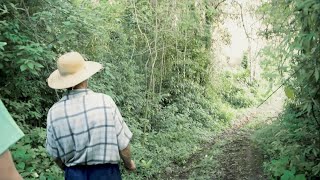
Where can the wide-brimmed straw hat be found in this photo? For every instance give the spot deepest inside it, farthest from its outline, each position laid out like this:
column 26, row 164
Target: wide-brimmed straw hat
column 72, row 70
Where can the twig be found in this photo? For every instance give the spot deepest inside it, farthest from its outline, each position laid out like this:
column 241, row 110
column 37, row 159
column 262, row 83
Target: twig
column 242, row 20
column 152, row 79
column 146, row 65
column 281, row 85
column 137, row 19
column 217, row 5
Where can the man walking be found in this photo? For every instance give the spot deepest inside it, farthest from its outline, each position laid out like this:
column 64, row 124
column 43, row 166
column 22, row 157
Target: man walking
column 86, row 134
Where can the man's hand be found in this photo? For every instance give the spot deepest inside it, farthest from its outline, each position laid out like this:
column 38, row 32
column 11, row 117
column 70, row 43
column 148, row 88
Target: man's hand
column 59, row 162
column 131, row 166
column 125, row 155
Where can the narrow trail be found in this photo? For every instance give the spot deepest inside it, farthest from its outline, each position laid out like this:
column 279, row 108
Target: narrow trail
column 240, row 158
column 232, row 155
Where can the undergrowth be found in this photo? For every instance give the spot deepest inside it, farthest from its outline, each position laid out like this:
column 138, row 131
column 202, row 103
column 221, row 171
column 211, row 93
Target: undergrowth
column 157, row 69
column 291, row 145
column 178, row 130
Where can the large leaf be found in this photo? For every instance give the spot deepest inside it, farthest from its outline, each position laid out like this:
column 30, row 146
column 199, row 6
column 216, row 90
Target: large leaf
column 300, row 177
column 2, row 44
column 23, row 67
column 289, row 92
column 287, row 175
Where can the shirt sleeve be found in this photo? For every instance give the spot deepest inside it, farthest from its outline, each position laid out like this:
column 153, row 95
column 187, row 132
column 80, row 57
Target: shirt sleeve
column 50, row 142
column 124, row 134
column 9, row 130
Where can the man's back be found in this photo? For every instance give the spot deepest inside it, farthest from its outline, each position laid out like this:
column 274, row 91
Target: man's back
column 86, row 134
column 86, row 128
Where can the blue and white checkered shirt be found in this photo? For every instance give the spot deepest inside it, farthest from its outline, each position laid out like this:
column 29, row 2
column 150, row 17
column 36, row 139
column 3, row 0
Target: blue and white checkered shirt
column 86, row 128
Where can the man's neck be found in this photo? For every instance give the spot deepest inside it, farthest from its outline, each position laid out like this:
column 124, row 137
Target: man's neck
column 81, row 87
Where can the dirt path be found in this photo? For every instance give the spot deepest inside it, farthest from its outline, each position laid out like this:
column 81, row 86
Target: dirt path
column 232, row 155
column 240, row 158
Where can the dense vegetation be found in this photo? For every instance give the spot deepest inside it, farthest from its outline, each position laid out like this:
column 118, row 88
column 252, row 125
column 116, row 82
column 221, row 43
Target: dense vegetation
column 159, row 67
column 293, row 143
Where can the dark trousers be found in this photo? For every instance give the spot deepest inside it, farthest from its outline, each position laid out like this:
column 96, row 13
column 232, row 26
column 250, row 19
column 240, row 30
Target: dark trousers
column 93, row 172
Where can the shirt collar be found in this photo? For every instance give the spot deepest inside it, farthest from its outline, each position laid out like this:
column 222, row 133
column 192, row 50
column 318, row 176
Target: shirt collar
column 75, row 93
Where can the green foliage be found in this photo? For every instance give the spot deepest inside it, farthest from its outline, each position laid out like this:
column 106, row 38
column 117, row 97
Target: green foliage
column 236, row 89
column 289, row 92
column 21, row 65
column 157, row 60
column 292, row 26
column 294, row 149
column 31, row 158
column 245, row 61
column 297, row 54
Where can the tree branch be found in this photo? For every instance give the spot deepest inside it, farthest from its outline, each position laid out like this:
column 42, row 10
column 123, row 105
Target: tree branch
column 217, row 5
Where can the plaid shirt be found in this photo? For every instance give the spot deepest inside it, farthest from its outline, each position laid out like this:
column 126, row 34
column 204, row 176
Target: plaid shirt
column 86, row 128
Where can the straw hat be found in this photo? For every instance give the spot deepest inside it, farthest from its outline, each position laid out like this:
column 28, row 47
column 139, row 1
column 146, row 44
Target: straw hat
column 72, row 70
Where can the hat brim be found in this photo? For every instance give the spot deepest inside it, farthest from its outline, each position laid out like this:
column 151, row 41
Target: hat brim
column 56, row 81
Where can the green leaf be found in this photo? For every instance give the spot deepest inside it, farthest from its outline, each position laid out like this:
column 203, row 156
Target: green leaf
column 66, row 23
column 23, row 67
column 2, row 44
column 300, row 177
column 49, row 29
column 30, row 65
column 316, row 169
column 21, row 165
column 42, row 177
column 35, row 175
column 316, row 74
column 287, row 175
column 25, row 174
column 34, row 72
column 289, row 92
column 38, row 65
column 148, row 165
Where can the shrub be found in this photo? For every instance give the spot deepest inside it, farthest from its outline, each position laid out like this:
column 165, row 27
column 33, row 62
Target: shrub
column 291, row 145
